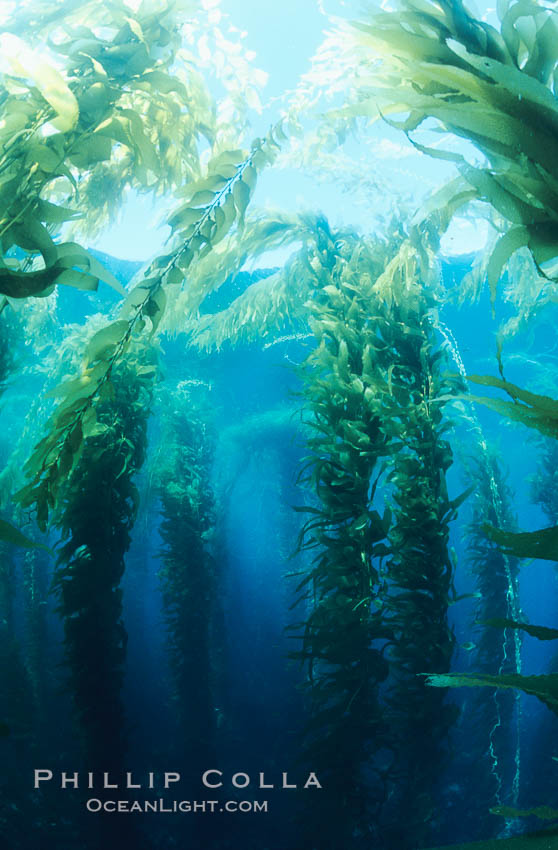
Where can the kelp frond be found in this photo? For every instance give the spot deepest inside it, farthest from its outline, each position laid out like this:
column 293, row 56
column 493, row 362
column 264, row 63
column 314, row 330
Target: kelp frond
column 264, row 231
column 493, row 88
column 264, row 307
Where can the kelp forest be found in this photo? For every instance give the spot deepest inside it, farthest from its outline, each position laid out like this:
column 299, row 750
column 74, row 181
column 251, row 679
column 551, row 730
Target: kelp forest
column 278, row 455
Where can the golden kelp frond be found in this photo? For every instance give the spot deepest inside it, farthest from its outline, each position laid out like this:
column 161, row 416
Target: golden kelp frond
column 494, row 89
column 262, row 232
column 542, row 544
column 83, row 122
column 528, row 292
column 282, row 300
column 410, row 268
column 540, row 632
column 197, row 227
column 265, row 308
column 535, row 411
column 545, row 688
column 114, row 103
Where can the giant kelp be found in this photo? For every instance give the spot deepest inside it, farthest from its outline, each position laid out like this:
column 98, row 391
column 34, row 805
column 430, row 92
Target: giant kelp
column 119, row 113
column 369, row 388
column 189, row 575
column 495, row 88
column 99, row 504
column 372, row 400
column 208, row 208
column 419, row 570
column 343, row 634
column 213, row 205
column 493, row 755
column 375, row 597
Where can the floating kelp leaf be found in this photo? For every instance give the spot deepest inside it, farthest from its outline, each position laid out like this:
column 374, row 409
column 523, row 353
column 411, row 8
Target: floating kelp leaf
column 71, row 254
column 543, row 242
column 184, row 216
column 24, row 62
column 541, row 544
column 229, row 158
column 507, row 203
column 202, row 198
column 95, row 100
column 92, row 150
column 44, row 156
column 155, row 307
column 535, row 411
column 250, row 177
column 174, row 276
column 541, row 812
column 163, row 83
column 510, row 242
column 211, row 184
column 9, row 534
column 77, row 386
column 135, row 298
column 540, row 632
column 105, row 340
column 32, row 235
column 541, row 402
column 139, row 140
column 78, row 280
column 27, row 284
column 54, row 214
column 462, row 596
column 456, row 503
column 545, row 688
column 241, row 195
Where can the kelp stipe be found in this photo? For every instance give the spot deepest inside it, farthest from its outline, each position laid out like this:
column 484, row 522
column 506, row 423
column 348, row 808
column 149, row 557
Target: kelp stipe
column 373, row 393
column 544, row 492
column 494, row 755
column 97, row 514
column 419, row 571
column 36, row 578
column 344, row 667
column 188, row 576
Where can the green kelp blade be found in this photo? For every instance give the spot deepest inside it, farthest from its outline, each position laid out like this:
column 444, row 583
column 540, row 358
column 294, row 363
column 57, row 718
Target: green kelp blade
column 542, row 544
column 541, row 812
column 538, row 841
column 542, row 403
column 544, row 687
column 540, row 632
column 9, row 534
column 533, row 410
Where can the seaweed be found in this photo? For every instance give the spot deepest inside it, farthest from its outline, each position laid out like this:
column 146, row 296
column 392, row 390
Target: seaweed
column 339, row 649
column 493, row 88
column 189, row 575
column 493, row 755
column 98, row 509
column 75, row 419
column 368, row 388
column 419, row 573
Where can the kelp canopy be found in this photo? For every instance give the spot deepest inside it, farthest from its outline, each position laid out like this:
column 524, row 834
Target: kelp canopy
column 151, row 444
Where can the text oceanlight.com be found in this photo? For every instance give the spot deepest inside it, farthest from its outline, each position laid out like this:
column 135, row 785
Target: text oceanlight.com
column 176, row 806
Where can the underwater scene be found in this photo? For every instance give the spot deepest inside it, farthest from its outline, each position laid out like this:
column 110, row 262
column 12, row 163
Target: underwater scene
column 279, row 425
